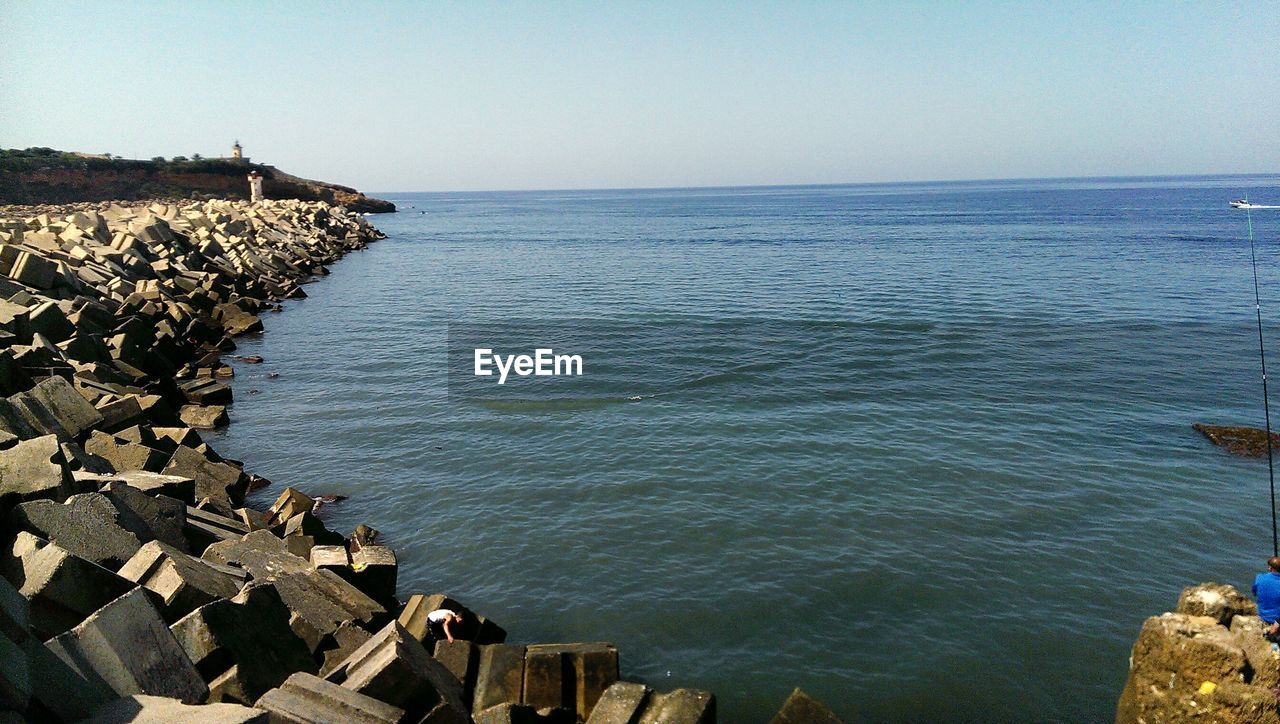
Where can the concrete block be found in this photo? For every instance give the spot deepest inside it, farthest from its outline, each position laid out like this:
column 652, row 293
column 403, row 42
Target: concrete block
column 63, row 588
column 320, row 598
column 372, row 569
column 307, row 699
column 48, row 319
column 462, row 659
column 127, row 646
column 15, row 669
column 586, row 671
column 181, row 583
column 120, row 414
column 393, row 667
column 206, row 392
column 250, row 632
column 32, row 470
column 681, row 706
column 291, row 502
column 620, row 704
column 33, row 270
column 224, row 485
column 143, row 709
column 204, row 417
column 124, row 456
column 205, row 528
column 150, row 517
column 86, row 525
column 345, row 639
column 171, row 486
column 522, row 714
column 308, row 525
column 499, row 676
column 800, row 708
column 54, row 407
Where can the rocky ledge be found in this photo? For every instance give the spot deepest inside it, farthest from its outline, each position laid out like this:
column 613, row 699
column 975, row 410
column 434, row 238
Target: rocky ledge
column 135, row 582
column 1206, row 661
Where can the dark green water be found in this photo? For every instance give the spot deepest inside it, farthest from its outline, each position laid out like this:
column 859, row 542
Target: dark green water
column 923, row 450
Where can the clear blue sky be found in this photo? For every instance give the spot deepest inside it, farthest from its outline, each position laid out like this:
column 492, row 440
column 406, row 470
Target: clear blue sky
column 453, row 96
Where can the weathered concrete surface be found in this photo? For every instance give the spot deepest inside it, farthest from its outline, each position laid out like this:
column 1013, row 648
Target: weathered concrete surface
column 143, row 709
column 128, row 647
column 569, row 676
column 681, row 706
column 34, row 469
column 86, row 525
column 800, row 708
column 181, row 583
column 499, row 676
column 307, row 699
column 204, row 417
column 1177, row 654
column 149, row 517
column 1219, row 601
column 393, row 667
column 249, row 632
column 63, row 589
column 620, row 704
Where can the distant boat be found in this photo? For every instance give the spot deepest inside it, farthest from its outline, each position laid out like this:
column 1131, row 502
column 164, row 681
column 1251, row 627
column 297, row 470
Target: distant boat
column 1244, row 204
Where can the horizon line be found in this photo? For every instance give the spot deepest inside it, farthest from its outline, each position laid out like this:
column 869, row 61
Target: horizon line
column 567, row 189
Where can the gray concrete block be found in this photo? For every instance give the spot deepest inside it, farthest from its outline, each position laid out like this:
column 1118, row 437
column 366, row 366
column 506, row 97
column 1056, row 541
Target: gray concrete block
column 347, row 638
column 54, row 407
column 15, row 669
column 204, row 417
column 620, row 704
column 142, row 709
column 150, row 517
column 800, row 708
column 320, row 598
column 181, row 583
column 32, row 470
column 307, row 699
column 462, row 659
column 87, row 525
column 127, row 646
column 393, row 667
column 224, row 485
column 62, row 588
column 681, row 706
column 250, row 632
column 499, row 676
column 586, row 671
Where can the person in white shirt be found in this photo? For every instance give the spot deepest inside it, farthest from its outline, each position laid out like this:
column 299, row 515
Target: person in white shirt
column 441, row 621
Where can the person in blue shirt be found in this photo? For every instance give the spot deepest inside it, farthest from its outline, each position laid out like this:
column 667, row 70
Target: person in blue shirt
column 1266, row 591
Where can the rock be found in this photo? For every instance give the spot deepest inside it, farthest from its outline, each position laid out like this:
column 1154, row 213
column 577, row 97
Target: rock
column 499, row 676
column 1247, row 631
column 1239, row 440
column 123, row 455
column 148, row 517
column 1216, row 600
column 142, row 709
column 681, row 706
column 621, row 702
column 15, row 670
column 180, row 582
column 156, row 484
column 1175, row 653
column 307, row 699
column 63, row 588
column 86, row 525
column 127, row 646
column 34, row 469
column 249, row 632
column 800, row 708
column 393, row 667
column 208, row 417
column 321, row 599
column 205, row 528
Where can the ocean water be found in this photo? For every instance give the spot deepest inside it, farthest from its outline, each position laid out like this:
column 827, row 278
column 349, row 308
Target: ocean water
column 923, row 450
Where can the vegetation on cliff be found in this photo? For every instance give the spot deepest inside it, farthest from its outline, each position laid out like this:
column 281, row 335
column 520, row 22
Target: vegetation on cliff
column 49, row 176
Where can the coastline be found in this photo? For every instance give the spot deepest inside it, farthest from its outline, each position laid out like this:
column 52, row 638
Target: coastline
column 116, row 325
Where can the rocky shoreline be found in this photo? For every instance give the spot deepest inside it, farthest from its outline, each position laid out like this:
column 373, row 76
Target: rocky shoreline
column 136, row 583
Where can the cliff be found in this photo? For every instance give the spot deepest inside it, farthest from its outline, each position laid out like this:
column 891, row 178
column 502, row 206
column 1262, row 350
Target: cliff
column 46, row 176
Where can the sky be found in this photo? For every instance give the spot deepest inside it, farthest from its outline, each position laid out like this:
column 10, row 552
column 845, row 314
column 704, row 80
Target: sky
column 434, row 96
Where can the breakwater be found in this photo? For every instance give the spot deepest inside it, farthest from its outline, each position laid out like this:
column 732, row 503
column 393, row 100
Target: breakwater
column 135, row 579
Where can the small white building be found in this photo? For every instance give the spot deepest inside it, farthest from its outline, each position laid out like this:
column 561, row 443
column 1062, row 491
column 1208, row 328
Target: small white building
column 255, row 186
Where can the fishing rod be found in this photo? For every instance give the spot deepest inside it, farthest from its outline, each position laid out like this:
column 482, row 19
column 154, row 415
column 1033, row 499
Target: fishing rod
column 1262, row 355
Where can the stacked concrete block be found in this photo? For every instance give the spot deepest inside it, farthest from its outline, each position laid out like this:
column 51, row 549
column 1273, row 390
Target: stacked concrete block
column 499, row 677
column 569, row 676
column 394, row 668
column 629, row 703
column 243, row 646
column 87, row 525
column 179, row 582
column 34, row 469
column 372, row 569
column 474, row 627
column 63, row 588
column 128, row 647
column 307, row 699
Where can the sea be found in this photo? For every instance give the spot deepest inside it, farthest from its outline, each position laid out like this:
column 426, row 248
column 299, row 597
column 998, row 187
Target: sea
column 923, row 450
